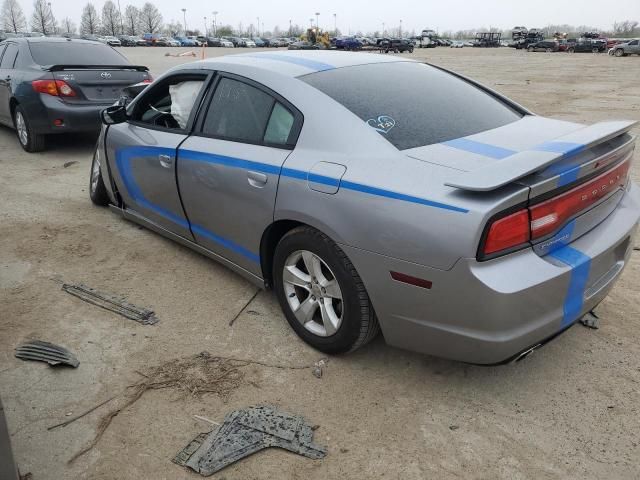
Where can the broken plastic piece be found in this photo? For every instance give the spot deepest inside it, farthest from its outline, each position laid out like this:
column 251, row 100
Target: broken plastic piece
column 46, row 352
column 245, row 432
column 112, row 303
column 591, row 320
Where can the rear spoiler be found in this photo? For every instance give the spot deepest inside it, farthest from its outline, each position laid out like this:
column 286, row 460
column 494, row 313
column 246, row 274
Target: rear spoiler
column 521, row 164
column 58, row 68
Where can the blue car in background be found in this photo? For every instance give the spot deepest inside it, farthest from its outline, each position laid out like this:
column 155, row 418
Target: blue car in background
column 348, row 43
column 186, row 42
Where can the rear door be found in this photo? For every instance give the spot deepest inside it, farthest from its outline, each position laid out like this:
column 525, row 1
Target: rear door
column 228, row 170
column 634, row 47
column 142, row 151
column 6, row 78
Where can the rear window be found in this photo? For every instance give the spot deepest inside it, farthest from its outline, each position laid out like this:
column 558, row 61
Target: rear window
column 73, row 53
column 413, row 104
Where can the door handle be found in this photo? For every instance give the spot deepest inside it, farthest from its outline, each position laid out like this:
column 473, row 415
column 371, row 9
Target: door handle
column 166, row 161
column 257, row 179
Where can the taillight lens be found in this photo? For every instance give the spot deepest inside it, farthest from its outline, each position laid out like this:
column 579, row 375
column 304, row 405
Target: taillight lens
column 508, row 232
column 53, row 87
column 537, row 221
column 546, row 217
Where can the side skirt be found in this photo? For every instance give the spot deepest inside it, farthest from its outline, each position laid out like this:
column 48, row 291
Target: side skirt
column 139, row 219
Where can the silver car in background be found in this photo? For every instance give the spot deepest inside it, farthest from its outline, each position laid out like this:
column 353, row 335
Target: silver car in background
column 451, row 218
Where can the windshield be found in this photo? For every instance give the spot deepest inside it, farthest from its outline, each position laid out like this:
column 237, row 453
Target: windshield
column 73, row 53
column 412, row 104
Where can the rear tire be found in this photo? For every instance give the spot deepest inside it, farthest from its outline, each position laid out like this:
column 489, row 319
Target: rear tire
column 341, row 317
column 571, row 50
column 29, row 140
column 530, row 49
column 97, row 190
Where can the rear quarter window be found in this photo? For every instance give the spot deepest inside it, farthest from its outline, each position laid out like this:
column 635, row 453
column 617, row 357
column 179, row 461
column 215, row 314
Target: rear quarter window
column 412, row 104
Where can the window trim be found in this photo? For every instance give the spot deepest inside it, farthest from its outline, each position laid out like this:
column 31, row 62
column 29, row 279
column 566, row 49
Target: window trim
column 298, row 117
column 207, row 81
column 4, row 51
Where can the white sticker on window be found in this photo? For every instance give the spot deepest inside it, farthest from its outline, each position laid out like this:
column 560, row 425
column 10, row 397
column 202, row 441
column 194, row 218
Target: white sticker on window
column 383, row 123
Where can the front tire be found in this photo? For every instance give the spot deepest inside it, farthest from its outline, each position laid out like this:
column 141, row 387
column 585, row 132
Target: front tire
column 321, row 294
column 29, row 140
column 97, row 190
column 619, row 52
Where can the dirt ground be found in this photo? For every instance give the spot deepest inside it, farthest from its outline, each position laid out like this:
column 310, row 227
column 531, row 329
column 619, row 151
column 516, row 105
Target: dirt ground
column 571, row 410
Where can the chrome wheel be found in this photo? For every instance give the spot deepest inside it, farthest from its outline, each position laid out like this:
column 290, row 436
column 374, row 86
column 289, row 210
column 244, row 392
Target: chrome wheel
column 313, row 293
column 95, row 175
column 21, row 127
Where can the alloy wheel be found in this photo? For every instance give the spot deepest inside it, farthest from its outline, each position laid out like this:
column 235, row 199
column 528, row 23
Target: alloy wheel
column 21, row 127
column 313, row 293
column 95, row 175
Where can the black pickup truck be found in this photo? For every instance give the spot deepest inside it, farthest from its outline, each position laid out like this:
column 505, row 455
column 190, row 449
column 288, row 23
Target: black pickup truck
column 396, row 45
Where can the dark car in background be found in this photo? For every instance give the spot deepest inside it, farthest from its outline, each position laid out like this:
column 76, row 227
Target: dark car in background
column 544, row 46
column 397, row 45
column 583, row 45
column 348, row 43
column 54, row 85
column 128, row 41
column 301, row 45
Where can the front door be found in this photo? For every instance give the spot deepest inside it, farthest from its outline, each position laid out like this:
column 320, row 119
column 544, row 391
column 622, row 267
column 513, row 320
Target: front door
column 142, row 151
column 228, row 170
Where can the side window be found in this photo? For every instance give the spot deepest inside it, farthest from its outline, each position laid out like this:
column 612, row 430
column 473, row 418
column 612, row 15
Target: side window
column 279, row 126
column 238, row 112
column 9, row 56
column 170, row 103
column 635, row 42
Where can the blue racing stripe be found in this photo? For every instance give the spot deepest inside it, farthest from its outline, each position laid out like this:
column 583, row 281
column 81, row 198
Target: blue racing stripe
column 228, row 244
column 580, row 266
column 228, row 161
column 567, row 149
column 301, row 61
column 480, row 148
column 567, row 174
column 123, row 161
column 358, row 187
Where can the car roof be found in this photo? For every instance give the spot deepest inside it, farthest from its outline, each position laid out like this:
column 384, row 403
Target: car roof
column 50, row 40
column 298, row 63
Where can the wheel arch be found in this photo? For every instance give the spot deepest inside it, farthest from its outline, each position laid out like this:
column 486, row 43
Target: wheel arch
column 278, row 229
column 13, row 103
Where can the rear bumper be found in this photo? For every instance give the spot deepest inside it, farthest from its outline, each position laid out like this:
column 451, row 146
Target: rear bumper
column 489, row 312
column 76, row 118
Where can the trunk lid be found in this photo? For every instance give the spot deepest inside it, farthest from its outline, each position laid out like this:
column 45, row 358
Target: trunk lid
column 99, row 84
column 575, row 174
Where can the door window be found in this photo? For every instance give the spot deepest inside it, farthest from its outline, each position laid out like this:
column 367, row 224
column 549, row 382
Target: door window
column 635, row 42
column 9, row 56
column 170, row 104
column 243, row 113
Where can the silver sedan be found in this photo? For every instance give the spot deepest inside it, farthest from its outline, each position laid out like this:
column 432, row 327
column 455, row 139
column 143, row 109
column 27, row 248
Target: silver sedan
column 449, row 217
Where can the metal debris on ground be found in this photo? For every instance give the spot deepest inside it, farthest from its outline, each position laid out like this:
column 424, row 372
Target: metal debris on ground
column 112, row 303
column 591, row 320
column 245, row 432
column 68, row 164
column 46, row 352
column 317, row 367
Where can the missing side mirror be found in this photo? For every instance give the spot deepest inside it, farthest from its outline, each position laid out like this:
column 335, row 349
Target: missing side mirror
column 114, row 114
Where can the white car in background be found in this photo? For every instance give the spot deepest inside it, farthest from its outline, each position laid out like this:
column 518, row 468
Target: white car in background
column 226, row 43
column 457, row 44
column 247, row 42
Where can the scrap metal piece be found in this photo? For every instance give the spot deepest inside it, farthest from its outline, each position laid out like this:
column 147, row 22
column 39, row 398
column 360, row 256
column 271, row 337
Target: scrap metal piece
column 112, row 303
column 245, row 432
column 46, row 352
column 591, row 320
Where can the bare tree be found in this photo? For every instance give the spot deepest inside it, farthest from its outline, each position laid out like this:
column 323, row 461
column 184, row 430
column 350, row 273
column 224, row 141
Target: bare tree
column 13, row 19
column 43, row 20
column 89, row 21
column 131, row 20
column 68, row 26
column 110, row 18
column 150, row 18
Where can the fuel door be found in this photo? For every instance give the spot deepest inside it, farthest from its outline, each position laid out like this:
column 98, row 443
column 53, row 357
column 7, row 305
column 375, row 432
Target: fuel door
column 325, row 177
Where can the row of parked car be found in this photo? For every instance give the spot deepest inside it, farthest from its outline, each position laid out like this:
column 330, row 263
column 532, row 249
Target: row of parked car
column 619, row 49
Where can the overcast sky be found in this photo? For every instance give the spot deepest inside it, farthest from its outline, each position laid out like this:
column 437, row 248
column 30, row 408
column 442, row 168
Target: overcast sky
column 368, row 15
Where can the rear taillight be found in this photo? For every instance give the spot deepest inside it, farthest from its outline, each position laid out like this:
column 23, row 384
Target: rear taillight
column 508, row 232
column 148, row 79
column 53, row 87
